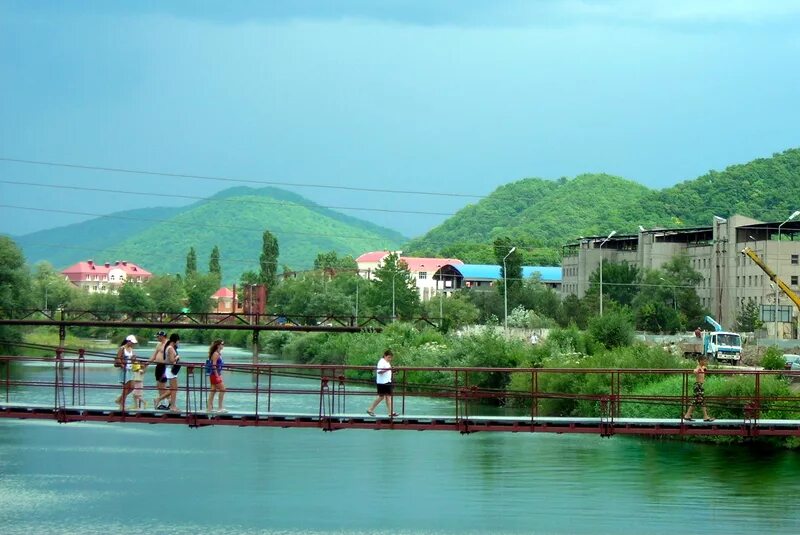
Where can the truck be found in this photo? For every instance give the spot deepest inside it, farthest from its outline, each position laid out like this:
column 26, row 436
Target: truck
column 719, row 344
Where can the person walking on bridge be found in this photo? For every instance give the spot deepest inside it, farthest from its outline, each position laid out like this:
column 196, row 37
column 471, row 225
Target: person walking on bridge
column 383, row 381
column 214, row 366
column 124, row 361
column 161, row 366
column 171, row 372
column 699, row 391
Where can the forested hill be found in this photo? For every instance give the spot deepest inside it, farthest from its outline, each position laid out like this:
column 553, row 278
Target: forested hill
column 541, row 215
column 234, row 220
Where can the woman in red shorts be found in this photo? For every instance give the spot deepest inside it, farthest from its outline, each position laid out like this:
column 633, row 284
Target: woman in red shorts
column 214, row 371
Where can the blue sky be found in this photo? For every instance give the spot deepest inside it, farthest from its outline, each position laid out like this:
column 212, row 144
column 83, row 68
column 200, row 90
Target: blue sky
column 453, row 97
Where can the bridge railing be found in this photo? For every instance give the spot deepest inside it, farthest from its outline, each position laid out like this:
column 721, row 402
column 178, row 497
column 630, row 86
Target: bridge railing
column 73, row 379
column 205, row 318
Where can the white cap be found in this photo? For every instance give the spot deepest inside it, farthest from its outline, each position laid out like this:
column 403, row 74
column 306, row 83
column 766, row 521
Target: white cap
column 132, row 339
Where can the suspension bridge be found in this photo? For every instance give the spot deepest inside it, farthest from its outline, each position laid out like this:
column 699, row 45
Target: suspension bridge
column 73, row 386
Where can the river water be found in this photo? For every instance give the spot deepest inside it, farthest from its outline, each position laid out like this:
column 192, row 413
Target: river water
column 136, row 478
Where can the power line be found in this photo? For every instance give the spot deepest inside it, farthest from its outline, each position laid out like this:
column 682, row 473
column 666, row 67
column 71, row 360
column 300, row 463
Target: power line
column 230, row 179
column 212, row 198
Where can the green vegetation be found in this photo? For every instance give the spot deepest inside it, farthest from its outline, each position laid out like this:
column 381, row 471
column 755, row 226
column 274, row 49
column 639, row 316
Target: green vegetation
column 233, row 221
column 539, row 215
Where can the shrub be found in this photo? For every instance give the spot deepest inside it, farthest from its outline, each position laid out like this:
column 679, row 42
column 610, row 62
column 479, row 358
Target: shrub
column 614, row 329
column 773, row 359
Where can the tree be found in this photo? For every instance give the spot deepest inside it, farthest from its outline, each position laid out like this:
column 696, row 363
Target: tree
column 134, row 299
column 679, row 272
column 456, row 310
column 51, row 290
column 392, row 292
column 166, row 292
column 331, row 262
column 214, row 266
column 749, row 319
column 15, row 291
column 268, row 260
column 489, row 304
column 199, row 289
column 614, row 329
column 654, row 306
column 191, row 262
column 539, row 298
column 620, row 282
column 575, row 311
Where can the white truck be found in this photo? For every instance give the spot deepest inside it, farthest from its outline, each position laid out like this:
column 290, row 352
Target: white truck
column 719, row 344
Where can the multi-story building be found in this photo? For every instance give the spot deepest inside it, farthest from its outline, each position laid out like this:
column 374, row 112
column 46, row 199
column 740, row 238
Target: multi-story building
column 104, row 278
column 729, row 278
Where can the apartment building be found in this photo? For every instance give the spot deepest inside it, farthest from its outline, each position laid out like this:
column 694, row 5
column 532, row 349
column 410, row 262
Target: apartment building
column 104, row 278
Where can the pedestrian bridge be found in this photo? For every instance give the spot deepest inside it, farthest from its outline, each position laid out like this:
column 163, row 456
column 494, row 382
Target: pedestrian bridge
column 77, row 388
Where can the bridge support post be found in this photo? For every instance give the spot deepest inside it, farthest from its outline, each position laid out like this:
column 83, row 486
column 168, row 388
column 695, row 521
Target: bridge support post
column 255, row 347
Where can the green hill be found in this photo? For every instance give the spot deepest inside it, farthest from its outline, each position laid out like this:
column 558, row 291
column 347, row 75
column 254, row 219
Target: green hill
column 63, row 246
column 234, row 220
column 541, row 215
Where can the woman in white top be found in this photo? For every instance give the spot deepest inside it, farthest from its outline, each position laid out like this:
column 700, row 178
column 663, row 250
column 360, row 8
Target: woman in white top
column 124, row 361
column 172, row 370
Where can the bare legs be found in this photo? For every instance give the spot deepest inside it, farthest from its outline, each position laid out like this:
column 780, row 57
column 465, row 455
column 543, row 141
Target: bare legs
column 217, row 388
column 382, row 397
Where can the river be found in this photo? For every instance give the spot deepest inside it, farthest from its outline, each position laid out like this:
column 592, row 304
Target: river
column 135, row 478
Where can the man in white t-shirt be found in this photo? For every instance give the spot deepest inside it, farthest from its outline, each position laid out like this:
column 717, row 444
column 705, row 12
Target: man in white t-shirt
column 383, row 381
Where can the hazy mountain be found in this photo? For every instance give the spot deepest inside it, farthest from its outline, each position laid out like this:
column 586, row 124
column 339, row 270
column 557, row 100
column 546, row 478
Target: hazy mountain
column 234, row 220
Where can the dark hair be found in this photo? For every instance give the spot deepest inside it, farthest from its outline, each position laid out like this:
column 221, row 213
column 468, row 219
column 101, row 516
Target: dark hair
column 388, row 353
column 174, row 337
column 215, row 346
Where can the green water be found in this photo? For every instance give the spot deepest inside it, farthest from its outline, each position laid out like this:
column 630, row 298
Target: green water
column 135, row 478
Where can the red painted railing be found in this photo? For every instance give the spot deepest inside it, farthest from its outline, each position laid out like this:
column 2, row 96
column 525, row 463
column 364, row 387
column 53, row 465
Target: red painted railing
column 72, row 386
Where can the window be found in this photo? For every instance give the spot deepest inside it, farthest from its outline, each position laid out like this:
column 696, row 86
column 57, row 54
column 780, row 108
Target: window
column 423, row 275
column 794, row 259
column 794, row 280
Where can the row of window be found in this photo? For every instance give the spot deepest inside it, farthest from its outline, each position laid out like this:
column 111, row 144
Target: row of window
column 121, row 278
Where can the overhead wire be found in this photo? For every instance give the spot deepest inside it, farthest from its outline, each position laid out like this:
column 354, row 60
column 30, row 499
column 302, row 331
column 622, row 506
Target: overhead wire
column 213, row 198
column 236, row 180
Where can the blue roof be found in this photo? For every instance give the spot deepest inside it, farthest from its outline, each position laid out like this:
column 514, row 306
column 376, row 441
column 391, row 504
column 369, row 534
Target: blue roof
column 546, row 273
column 492, row 272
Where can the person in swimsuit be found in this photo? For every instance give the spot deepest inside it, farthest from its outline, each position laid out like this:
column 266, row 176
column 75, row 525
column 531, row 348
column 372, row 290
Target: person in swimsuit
column 158, row 359
column 171, row 371
column 214, row 366
column 124, row 361
column 699, row 391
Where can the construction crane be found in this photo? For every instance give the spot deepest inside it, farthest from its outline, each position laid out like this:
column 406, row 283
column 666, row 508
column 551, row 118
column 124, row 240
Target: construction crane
column 773, row 277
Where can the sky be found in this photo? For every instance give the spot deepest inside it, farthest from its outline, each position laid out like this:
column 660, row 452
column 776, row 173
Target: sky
column 400, row 113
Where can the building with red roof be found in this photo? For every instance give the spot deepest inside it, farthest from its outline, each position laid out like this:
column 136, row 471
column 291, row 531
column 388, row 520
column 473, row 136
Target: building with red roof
column 104, row 278
column 224, row 301
column 431, row 275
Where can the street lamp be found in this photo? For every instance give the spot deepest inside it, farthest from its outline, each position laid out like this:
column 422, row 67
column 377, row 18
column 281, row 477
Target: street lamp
column 778, row 265
column 505, row 289
column 441, row 294
column 601, row 269
column 674, row 300
column 393, row 312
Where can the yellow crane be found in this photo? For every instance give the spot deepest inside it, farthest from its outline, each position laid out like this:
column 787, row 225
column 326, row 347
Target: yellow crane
column 773, row 277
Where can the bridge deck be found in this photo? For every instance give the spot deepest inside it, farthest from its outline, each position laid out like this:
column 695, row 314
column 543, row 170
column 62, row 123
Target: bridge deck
column 420, row 422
